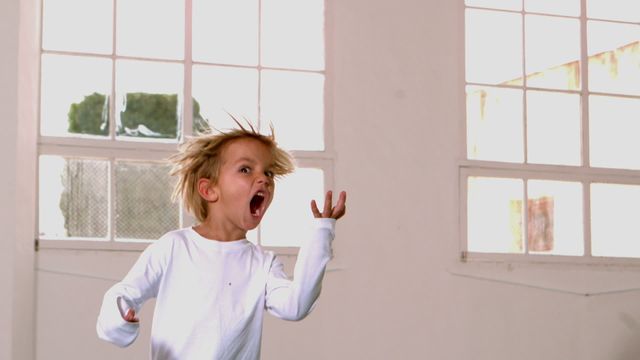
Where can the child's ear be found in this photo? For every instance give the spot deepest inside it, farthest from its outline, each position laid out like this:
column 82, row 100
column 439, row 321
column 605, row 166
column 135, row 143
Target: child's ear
column 207, row 190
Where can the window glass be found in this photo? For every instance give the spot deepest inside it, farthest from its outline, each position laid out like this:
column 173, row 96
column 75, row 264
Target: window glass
column 118, row 72
column 294, row 103
column 74, row 95
column 61, row 20
column 74, row 199
column 493, row 47
column 552, row 61
column 223, row 90
column 149, row 99
column 143, row 205
column 614, row 219
column 496, row 4
column 622, row 10
column 527, row 115
column 554, row 218
column 613, row 132
column 494, row 124
column 495, row 215
column 564, row 7
column 292, row 41
column 150, row 28
column 291, row 208
column 225, row 32
column 553, row 128
column 614, row 61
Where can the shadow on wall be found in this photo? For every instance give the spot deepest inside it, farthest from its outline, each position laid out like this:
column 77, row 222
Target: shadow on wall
column 630, row 345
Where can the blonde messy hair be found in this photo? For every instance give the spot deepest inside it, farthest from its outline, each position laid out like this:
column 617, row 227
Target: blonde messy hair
column 200, row 157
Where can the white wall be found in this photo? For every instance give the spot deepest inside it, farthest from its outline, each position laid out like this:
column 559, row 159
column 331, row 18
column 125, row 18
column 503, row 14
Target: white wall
column 395, row 70
column 8, row 114
column 17, row 161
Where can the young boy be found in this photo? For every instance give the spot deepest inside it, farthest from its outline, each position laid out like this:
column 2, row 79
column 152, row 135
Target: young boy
column 212, row 285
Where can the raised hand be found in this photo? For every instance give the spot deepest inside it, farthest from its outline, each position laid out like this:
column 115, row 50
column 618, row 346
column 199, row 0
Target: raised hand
column 334, row 212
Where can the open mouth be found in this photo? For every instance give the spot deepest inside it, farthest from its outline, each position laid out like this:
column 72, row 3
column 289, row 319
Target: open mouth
column 255, row 205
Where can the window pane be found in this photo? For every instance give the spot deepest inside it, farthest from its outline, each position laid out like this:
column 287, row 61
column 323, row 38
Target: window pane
column 614, row 220
column 552, row 61
column 623, row 10
column 553, row 128
column 496, row 4
column 293, row 34
column 564, row 7
column 614, row 126
column 149, row 99
column 495, row 215
column 225, row 32
column 62, row 19
column 555, row 224
column 494, row 124
column 493, row 47
column 73, row 198
column 294, row 103
column 150, row 28
column 220, row 91
column 74, row 95
column 614, row 57
column 289, row 219
column 144, row 209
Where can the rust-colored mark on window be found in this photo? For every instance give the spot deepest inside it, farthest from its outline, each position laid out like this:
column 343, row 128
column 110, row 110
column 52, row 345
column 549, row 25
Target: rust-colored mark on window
column 540, row 224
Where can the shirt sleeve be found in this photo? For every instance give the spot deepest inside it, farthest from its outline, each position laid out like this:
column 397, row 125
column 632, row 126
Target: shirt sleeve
column 139, row 285
column 294, row 299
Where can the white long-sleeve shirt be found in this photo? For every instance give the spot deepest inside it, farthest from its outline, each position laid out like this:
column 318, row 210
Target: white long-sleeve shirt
column 211, row 295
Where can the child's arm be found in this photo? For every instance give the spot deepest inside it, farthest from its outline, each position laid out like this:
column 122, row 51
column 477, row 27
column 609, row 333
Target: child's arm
column 294, row 300
column 117, row 321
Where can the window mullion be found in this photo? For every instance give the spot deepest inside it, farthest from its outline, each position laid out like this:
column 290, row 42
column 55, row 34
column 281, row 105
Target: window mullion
column 524, row 87
column 586, row 216
column 187, row 111
column 584, row 76
column 111, row 208
column 584, row 90
column 259, row 89
column 112, row 102
column 525, row 218
column 111, row 199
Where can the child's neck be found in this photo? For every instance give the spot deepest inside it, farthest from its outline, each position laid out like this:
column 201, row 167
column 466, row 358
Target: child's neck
column 212, row 231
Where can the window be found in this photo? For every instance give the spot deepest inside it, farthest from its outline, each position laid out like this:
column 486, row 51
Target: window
column 552, row 167
column 123, row 82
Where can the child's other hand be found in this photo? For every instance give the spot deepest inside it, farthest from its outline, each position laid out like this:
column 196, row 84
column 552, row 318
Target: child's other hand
column 130, row 316
column 330, row 212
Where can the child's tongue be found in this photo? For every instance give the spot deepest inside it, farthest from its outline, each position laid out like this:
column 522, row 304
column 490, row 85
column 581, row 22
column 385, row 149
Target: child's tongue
column 254, row 205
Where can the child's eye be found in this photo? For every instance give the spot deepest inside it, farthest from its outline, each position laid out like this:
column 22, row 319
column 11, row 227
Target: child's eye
column 269, row 174
column 245, row 170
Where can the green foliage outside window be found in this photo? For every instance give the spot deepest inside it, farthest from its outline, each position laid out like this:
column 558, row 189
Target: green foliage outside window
column 91, row 116
column 145, row 115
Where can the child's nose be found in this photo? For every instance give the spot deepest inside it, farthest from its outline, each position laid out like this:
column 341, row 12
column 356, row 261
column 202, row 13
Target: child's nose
column 264, row 179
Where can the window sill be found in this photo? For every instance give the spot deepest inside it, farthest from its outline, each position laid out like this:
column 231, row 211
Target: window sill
column 582, row 277
column 129, row 245
column 287, row 254
column 78, row 257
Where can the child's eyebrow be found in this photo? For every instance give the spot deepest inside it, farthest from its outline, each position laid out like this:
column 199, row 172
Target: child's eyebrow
column 249, row 160
column 245, row 159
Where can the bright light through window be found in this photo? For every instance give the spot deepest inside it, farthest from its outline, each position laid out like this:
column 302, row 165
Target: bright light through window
column 533, row 128
column 123, row 82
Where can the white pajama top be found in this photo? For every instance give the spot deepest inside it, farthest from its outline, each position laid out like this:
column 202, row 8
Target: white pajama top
column 211, row 295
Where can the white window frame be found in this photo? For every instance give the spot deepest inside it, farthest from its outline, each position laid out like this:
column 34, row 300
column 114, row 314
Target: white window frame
column 584, row 173
column 111, row 149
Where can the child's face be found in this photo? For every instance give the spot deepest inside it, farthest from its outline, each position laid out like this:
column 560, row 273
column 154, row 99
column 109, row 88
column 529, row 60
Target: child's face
column 245, row 185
